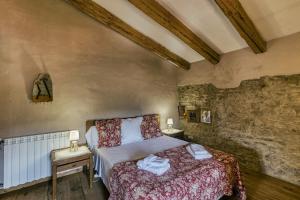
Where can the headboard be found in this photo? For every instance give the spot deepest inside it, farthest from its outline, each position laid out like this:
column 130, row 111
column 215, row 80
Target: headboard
column 91, row 122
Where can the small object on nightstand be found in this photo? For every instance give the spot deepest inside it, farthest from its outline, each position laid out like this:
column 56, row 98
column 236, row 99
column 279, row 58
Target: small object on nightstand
column 64, row 159
column 176, row 133
column 74, row 137
column 170, row 123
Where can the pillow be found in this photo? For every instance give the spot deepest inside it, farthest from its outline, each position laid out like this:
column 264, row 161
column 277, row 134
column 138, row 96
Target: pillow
column 150, row 126
column 109, row 132
column 131, row 130
column 91, row 137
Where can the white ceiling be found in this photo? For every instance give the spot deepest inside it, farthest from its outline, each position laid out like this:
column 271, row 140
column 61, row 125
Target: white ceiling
column 273, row 19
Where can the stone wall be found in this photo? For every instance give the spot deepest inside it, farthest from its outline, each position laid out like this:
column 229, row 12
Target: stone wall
column 259, row 122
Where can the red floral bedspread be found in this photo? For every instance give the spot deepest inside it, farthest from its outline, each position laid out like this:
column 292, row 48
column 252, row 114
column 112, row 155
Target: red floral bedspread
column 187, row 179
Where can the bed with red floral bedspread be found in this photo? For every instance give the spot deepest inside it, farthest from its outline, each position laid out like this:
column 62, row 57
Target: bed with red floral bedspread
column 187, row 179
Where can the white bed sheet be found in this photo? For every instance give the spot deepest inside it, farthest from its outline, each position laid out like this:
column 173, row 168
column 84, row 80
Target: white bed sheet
column 105, row 158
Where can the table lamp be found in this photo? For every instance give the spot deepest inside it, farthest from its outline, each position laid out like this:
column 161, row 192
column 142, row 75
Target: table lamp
column 74, row 137
column 170, row 123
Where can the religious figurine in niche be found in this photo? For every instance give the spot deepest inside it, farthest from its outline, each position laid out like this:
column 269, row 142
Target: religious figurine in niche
column 42, row 89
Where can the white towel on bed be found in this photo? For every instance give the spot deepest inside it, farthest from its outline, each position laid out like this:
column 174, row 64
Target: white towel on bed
column 153, row 161
column 157, row 170
column 204, row 154
column 198, row 149
column 154, row 164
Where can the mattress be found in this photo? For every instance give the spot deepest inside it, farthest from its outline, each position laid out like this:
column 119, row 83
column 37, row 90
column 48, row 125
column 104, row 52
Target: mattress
column 105, row 158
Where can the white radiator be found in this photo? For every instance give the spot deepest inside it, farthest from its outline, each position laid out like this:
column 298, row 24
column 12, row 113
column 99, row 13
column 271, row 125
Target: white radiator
column 28, row 158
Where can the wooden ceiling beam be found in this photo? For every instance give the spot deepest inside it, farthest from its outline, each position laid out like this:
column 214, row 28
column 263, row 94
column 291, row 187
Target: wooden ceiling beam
column 235, row 12
column 103, row 16
column 162, row 16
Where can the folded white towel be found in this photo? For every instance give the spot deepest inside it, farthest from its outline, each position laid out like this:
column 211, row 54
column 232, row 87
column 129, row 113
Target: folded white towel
column 159, row 162
column 154, row 164
column 149, row 158
column 198, row 149
column 154, row 161
column 199, row 156
column 156, row 170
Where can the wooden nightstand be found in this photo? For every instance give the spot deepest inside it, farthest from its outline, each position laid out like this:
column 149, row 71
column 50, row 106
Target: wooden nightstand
column 64, row 159
column 176, row 133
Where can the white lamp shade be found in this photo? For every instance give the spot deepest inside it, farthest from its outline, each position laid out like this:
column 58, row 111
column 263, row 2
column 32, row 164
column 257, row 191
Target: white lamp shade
column 74, row 135
column 170, row 121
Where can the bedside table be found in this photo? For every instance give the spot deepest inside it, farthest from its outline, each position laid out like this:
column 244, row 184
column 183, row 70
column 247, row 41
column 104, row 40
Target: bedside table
column 64, row 159
column 176, row 133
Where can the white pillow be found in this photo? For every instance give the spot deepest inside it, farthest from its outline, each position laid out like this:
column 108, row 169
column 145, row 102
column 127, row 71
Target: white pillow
column 131, row 130
column 91, row 137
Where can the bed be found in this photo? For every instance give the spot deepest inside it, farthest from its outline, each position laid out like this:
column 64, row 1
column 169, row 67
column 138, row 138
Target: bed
column 186, row 179
column 106, row 158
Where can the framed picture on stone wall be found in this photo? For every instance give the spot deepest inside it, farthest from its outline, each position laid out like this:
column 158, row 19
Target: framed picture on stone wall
column 206, row 116
column 193, row 116
column 181, row 111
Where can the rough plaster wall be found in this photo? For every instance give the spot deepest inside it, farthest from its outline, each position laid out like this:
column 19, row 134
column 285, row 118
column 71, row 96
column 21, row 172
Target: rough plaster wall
column 96, row 73
column 281, row 58
column 259, row 122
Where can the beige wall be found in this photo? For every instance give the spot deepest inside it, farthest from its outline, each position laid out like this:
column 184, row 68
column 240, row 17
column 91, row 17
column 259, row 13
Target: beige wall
column 281, row 58
column 96, row 73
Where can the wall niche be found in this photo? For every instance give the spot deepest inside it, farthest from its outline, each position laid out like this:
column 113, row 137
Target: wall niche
column 42, row 89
